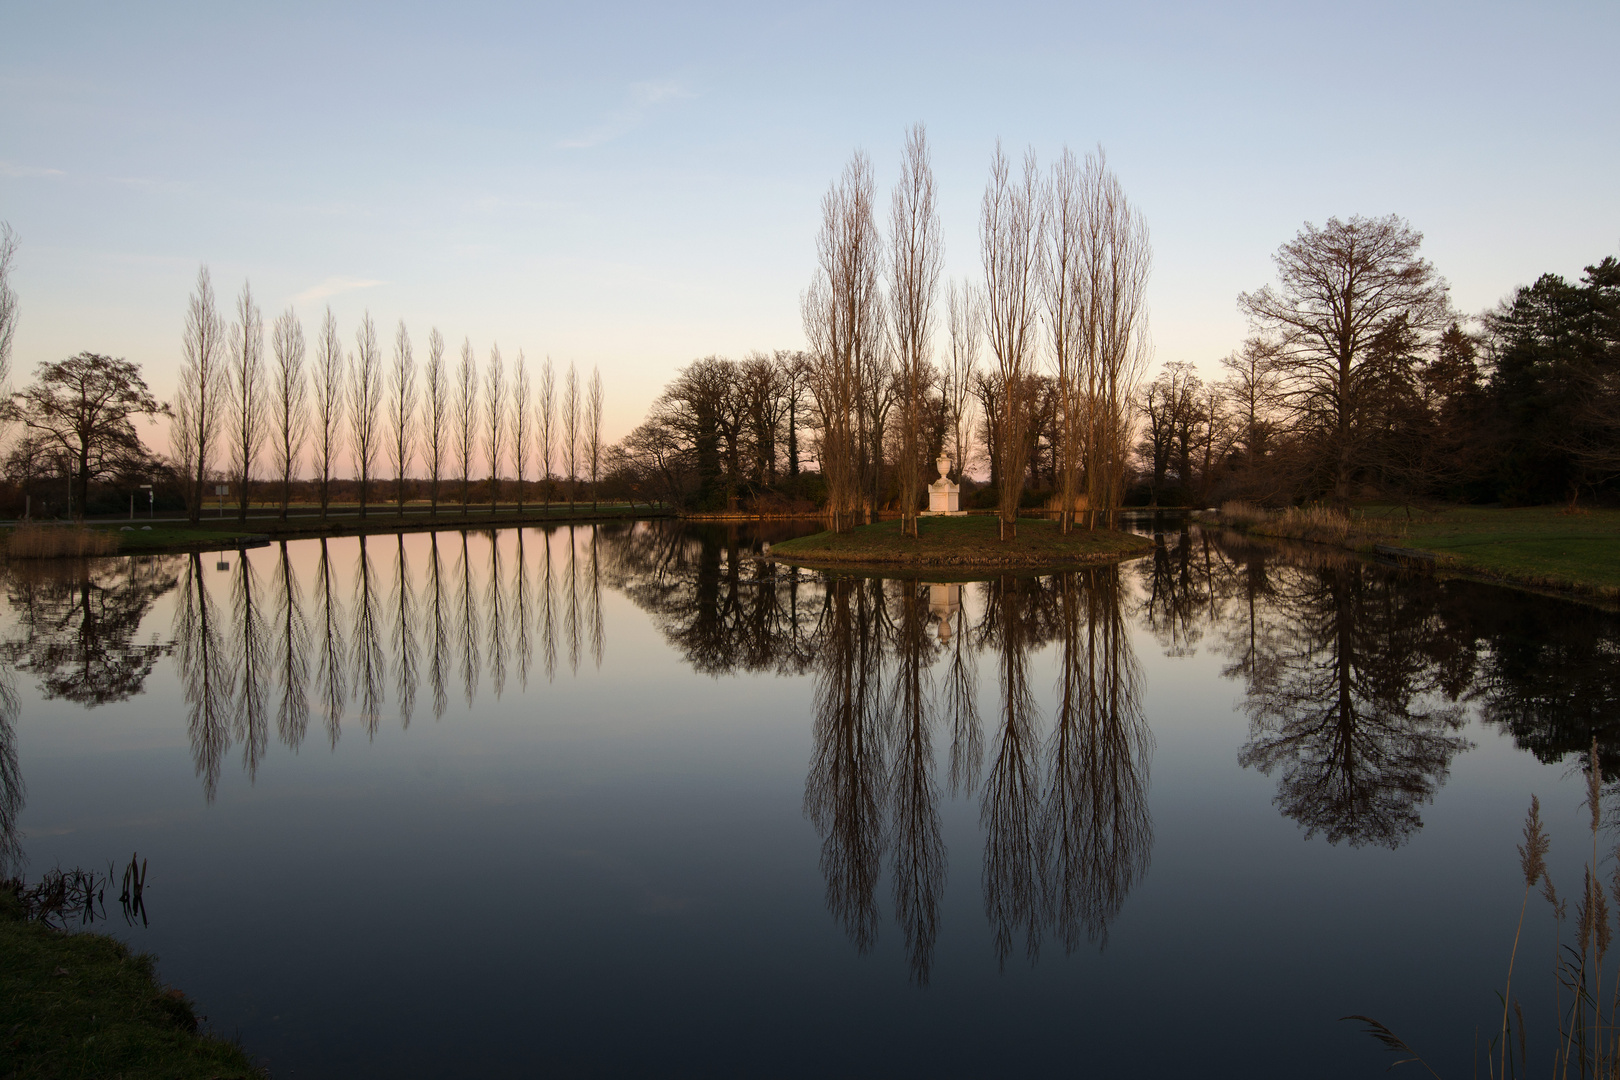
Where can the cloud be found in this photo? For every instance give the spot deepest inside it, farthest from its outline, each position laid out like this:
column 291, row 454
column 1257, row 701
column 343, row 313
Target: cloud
column 643, row 98
column 334, row 285
column 8, row 168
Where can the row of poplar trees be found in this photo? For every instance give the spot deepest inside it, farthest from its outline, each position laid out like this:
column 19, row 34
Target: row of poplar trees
column 239, row 402
column 1065, row 262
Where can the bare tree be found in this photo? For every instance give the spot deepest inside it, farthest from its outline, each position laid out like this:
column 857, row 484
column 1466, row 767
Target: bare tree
column 329, row 384
column 1339, row 288
column 1112, row 330
column 8, row 299
column 202, row 385
column 593, row 433
column 435, row 411
column 570, row 419
column 365, row 399
column 466, row 416
column 1251, row 388
column 520, row 425
column 843, row 317
column 82, row 409
column 1063, row 258
column 915, row 251
column 547, row 427
column 965, row 309
column 401, row 412
column 494, row 421
column 247, row 395
column 1009, row 241
column 289, row 400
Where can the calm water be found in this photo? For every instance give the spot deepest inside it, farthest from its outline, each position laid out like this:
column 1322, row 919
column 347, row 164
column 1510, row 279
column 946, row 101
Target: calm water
column 632, row 801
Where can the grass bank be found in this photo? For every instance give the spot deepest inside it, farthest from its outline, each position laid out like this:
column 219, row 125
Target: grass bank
column 961, row 543
column 82, row 1005
column 1539, row 546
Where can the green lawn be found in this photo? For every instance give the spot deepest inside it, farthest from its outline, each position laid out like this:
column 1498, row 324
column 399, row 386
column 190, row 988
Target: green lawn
column 1538, row 545
column 962, row 542
column 81, row 1005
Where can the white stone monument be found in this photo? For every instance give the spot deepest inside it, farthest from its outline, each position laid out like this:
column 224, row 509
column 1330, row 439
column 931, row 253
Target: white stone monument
column 943, row 496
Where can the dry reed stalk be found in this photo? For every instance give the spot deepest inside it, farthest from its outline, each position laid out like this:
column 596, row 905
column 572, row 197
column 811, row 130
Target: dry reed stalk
column 1533, row 862
column 1242, row 513
column 56, row 542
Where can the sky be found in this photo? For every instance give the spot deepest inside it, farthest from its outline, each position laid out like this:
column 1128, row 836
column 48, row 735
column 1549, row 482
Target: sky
column 630, row 187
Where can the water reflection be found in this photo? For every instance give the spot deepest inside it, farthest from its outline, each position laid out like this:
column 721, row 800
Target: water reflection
column 1358, row 678
column 75, row 624
column 1099, row 831
column 1062, row 799
column 12, row 792
column 1356, row 682
column 362, row 642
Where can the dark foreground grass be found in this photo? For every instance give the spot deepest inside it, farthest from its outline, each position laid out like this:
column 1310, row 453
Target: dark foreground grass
column 81, row 1005
column 962, row 542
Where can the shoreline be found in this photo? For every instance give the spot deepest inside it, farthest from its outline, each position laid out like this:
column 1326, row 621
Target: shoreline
column 180, row 537
column 85, row 996
column 961, row 545
column 1534, row 549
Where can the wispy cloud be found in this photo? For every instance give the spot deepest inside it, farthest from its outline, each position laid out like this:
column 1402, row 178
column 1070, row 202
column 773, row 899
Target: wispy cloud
column 642, row 99
column 334, row 285
column 10, row 168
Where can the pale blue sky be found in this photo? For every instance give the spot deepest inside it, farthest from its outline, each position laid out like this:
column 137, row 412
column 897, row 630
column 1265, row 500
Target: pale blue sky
column 635, row 186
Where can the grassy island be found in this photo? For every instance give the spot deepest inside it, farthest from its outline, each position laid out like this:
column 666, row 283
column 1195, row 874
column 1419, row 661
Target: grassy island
column 962, row 543
column 82, row 1005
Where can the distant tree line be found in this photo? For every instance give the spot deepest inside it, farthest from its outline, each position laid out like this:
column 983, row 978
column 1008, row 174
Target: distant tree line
column 407, row 431
column 1361, row 381
column 272, row 416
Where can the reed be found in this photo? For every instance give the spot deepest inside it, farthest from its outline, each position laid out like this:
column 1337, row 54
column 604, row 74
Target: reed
column 1242, row 515
column 1587, row 1042
column 59, row 542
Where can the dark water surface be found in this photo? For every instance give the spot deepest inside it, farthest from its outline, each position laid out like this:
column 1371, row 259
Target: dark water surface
column 632, row 801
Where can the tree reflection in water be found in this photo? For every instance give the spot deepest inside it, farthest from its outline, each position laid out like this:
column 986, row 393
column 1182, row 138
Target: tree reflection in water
column 1356, row 680
column 12, row 792
column 1352, row 679
column 1099, row 833
column 403, row 635
column 75, row 622
column 844, row 793
column 331, row 672
column 207, row 674
column 292, row 652
column 250, row 646
column 919, row 848
column 438, row 629
column 358, row 642
column 1009, row 808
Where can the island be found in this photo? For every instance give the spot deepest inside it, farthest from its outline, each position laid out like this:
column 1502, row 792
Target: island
column 962, row 543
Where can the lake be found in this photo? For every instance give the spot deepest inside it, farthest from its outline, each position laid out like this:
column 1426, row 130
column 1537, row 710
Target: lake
column 633, row 800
